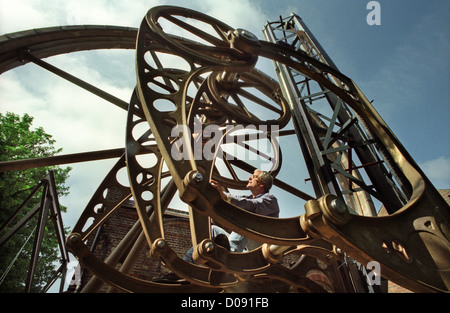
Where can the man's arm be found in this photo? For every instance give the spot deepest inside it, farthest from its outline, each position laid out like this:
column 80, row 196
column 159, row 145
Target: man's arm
column 265, row 204
column 219, row 188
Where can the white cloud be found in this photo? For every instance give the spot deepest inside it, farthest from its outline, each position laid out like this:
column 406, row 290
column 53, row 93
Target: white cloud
column 244, row 14
column 45, row 13
column 20, row 15
column 106, row 12
column 78, row 120
column 29, row 14
column 438, row 171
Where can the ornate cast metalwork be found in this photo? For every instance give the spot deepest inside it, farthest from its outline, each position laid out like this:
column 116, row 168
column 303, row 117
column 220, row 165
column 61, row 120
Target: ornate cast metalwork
column 218, row 67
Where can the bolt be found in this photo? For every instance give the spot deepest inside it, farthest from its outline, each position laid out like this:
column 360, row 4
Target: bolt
column 247, row 34
column 338, row 205
column 198, row 177
column 161, row 243
column 73, row 241
column 74, row 238
column 209, row 246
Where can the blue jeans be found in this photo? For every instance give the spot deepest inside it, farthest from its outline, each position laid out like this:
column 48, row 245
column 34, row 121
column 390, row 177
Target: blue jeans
column 238, row 243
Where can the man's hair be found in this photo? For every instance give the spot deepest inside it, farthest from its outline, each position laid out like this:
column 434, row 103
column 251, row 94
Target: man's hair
column 266, row 180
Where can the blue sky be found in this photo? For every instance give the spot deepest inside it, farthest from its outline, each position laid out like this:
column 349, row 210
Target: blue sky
column 402, row 64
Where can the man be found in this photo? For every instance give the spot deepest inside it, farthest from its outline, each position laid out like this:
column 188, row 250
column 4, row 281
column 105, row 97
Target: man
column 259, row 202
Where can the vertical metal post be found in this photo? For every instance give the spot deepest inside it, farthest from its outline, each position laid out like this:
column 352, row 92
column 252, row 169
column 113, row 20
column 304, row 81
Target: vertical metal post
column 56, row 218
column 49, row 203
column 42, row 222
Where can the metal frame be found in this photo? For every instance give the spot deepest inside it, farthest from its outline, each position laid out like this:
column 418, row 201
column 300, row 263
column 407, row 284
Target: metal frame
column 329, row 136
column 49, row 204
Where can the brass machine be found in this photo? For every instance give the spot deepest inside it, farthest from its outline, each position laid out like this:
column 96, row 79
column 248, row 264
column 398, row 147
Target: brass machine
column 350, row 153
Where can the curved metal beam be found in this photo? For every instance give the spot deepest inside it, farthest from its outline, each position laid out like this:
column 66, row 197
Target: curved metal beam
column 51, row 41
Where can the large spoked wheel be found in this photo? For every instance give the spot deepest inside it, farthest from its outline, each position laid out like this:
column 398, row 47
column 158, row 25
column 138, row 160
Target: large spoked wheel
column 208, row 38
column 254, row 98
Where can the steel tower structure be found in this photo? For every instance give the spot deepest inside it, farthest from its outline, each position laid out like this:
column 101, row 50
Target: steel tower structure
column 332, row 140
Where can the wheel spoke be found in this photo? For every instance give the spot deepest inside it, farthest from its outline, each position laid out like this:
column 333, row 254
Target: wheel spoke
column 79, row 82
column 240, row 104
column 259, row 101
column 194, row 30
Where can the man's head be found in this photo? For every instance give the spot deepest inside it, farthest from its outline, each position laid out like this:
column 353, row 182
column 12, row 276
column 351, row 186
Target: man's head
column 259, row 182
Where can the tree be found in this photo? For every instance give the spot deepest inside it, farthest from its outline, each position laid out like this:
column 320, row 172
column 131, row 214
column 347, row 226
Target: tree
column 18, row 141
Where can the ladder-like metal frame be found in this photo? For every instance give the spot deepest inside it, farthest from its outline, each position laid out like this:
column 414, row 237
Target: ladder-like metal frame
column 327, row 137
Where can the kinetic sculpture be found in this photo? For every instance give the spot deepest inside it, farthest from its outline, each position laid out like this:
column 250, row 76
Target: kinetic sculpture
column 216, row 88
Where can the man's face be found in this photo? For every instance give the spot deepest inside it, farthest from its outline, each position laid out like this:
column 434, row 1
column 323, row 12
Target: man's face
column 253, row 181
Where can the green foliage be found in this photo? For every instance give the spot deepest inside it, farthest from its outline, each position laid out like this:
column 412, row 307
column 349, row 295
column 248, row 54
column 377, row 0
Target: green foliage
column 18, row 141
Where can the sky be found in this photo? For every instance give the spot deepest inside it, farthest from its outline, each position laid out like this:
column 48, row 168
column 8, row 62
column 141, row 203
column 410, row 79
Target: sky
column 402, row 64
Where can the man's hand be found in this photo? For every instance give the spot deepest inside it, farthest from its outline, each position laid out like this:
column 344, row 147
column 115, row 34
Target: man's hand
column 216, row 185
